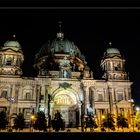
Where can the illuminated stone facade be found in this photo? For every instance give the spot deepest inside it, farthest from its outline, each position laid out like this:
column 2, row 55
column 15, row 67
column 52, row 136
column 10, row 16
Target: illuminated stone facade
column 64, row 82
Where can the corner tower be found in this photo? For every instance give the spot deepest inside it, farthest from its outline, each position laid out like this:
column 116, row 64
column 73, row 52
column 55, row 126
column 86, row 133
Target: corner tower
column 11, row 58
column 113, row 64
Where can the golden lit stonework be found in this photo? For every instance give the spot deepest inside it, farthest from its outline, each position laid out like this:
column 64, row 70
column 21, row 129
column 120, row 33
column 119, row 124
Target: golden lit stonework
column 64, row 83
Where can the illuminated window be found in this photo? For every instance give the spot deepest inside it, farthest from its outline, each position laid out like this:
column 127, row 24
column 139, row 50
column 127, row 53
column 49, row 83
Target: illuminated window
column 9, row 61
column 41, row 97
column 0, row 59
column 4, row 94
column 116, row 68
column 100, row 97
column 122, row 111
column 28, row 96
column 120, row 96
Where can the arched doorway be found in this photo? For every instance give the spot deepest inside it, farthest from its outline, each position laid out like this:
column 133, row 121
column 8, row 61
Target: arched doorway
column 65, row 102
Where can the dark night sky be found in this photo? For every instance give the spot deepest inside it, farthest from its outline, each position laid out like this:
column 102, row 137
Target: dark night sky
column 90, row 29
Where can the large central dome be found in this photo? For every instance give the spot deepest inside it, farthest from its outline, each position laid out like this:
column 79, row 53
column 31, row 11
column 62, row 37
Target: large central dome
column 59, row 45
column 57, row 50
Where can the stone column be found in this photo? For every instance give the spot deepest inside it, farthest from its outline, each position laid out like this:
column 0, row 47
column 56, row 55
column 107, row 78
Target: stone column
column 113, row 98
column 16, row 96
column 93, row 101
column 86, row 99
column 46, row 99
column 42, row 102
column 80, row 113
column 111, row 65
column 38, row 92
column 126, row 94
column 51, row 108
column 99, row 117
column 13, row 90
column 110, row 99
column 11, row 101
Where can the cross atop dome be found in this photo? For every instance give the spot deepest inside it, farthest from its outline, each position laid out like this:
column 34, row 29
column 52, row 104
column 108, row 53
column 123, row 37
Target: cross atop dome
column 60, row 34
column 14, row 36
column 60, row 25
column 110, row 44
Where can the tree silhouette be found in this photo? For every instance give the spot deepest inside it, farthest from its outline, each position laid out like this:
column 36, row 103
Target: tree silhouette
column 3, row 120
column 19, row 122
column 91, row 123
column 40, row 122
column 58, row 123
column 122, row 121
column 137, row 119
column 108, row 122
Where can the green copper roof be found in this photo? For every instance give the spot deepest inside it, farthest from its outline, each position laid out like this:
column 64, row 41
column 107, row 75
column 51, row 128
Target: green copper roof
column 60, row 45
column 12, row 44
column 112, row 51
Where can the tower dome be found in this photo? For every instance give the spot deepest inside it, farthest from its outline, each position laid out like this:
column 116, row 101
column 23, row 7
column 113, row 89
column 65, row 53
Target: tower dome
column 12, row 44
column 11, row 58
column 112, row 51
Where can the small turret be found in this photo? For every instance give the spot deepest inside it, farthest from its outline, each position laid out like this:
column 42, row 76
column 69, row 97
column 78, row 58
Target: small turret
column 113, row 64
column 11, row 58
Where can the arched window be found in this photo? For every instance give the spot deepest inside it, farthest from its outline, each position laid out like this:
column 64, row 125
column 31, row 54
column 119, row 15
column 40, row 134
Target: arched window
column 116, row 69
column 100, row 97
column 9, row 61
column 4, row 94
column 120, row 96
column 28, row 96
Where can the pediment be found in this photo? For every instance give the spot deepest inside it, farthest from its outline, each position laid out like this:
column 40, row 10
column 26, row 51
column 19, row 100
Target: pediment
column 116, row 56
column 10, row 50
column 123, row 103
column 3, row 99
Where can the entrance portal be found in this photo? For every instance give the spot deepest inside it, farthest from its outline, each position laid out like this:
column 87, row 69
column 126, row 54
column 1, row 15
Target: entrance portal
column 65, row 102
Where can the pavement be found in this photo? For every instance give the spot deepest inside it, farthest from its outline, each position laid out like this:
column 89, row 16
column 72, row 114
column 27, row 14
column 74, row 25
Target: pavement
column 77, row 130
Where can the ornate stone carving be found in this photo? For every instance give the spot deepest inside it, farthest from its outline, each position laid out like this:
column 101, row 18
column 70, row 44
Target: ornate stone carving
column 65, row 85
column 63, row 100
column 64, row 62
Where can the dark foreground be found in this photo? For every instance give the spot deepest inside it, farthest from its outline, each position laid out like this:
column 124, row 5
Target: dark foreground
column 71, row 136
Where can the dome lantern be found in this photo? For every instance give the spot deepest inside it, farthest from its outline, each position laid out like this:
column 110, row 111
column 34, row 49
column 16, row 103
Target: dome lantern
column 12, row 43
column 60, row 34
column 112, row 50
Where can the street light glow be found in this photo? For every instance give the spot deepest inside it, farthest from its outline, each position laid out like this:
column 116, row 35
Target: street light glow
column 137, row 108
column 32, row 117
column 103, row 117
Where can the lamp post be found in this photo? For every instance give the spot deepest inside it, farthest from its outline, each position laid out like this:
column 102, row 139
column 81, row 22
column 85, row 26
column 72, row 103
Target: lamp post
column 133, row 117
column 102, row 127
column 137, row 109
column 131, row 101
column 138, row 118
column 32, row 121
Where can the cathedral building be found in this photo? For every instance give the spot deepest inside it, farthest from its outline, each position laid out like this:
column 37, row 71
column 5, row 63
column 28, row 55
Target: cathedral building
column 64, row 83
